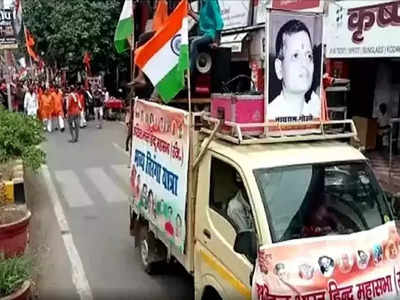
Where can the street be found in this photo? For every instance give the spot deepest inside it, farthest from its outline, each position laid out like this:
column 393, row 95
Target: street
column 82, row 247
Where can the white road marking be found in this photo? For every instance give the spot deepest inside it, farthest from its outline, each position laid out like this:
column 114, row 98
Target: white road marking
column 111, row 192
column 78, row 273
column 72, row 189
column 123, row 172
column 119, row 148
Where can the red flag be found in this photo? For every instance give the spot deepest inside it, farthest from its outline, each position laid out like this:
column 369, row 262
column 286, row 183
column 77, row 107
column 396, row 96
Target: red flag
column 161, row 15
column 86, row 62
column 30, row 42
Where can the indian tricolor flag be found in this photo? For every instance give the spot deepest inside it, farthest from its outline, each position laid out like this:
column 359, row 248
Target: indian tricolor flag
column 124, row 31
column 165, row 57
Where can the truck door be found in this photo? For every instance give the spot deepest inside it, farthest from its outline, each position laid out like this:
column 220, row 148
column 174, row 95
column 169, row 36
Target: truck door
column 219, row 217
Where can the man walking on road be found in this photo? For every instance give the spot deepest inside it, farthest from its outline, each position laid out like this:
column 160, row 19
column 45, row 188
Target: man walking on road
column 58, row 112
column 47, row 108
column 98, row 107
column 30, row 103
column 74, row 109
column 81, row 98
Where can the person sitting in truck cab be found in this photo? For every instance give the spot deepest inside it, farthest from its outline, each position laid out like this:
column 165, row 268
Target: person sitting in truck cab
column 321, row 220
column 239, row 210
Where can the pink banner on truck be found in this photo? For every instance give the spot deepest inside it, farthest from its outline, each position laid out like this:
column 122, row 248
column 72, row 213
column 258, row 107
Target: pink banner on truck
column 160, row 156
column 359, row 266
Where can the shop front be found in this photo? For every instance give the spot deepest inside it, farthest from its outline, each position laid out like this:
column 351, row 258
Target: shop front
column 363, row 45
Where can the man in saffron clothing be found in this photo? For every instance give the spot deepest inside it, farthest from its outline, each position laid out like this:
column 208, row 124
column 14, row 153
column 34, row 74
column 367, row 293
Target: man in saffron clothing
column 73, row 113
column 81, row 98
column 58, row 112
column 47, row 108
column 39, row 93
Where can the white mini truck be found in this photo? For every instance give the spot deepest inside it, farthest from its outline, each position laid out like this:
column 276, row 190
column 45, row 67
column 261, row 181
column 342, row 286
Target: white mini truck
column 298, row 187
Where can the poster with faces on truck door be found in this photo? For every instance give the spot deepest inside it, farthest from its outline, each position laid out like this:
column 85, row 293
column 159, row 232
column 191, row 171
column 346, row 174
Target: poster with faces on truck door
column 294, row 66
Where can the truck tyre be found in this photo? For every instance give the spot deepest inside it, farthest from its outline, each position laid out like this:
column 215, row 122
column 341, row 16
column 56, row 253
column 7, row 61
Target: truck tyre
column 210, row 294
column 146, row 248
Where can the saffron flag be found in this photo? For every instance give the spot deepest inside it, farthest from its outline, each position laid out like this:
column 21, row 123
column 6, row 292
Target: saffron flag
column 124, row 31
column 165, row 57
column 161, row 15
column 30, row 42
column 86, row 62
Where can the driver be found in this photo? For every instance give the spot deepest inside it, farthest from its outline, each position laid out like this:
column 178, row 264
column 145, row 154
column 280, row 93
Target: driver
column 239, row 207
column 321, row 221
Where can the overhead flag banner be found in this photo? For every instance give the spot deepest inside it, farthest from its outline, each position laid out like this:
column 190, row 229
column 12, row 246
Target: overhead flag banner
column 124, row 31
column 165, row 58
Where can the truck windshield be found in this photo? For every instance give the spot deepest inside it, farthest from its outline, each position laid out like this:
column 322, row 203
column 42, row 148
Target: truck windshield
column 321, row 199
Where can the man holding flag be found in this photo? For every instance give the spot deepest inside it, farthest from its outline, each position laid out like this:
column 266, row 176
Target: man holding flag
column 165, row 57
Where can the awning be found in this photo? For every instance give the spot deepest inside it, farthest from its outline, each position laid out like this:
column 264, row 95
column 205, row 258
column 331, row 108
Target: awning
column 233, row 41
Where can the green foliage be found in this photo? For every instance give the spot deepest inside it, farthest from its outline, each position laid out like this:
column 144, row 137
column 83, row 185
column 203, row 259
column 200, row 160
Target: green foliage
column 19, row 137
column 13, row 273
column 65, row 29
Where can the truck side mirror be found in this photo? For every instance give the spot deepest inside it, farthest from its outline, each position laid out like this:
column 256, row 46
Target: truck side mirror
column 246, row 243
column 394, row 200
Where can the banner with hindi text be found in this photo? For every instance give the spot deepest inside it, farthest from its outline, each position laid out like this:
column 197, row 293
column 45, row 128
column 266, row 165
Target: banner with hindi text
column 358, row 266
column 159, row 167
column 363, row 29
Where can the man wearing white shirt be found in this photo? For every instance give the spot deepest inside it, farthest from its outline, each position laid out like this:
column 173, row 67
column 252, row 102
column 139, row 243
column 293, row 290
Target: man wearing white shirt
column 30, row 103
column 294, row 66
column 106, row 95
column 239, row 210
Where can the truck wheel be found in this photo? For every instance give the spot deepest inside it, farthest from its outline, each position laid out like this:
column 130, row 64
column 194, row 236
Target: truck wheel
column 145, row 254
column 210, row 294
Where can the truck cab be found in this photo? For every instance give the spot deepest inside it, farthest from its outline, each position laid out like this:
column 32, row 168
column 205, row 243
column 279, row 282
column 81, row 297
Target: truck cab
column 293, row 191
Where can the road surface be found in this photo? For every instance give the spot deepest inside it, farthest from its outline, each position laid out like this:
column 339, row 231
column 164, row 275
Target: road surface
column 80, row 227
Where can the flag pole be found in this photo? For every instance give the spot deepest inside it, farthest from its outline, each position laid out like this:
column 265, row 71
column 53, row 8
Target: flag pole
column 132, row 69
column 130, row 128
column 189, row 89
column 188, row 79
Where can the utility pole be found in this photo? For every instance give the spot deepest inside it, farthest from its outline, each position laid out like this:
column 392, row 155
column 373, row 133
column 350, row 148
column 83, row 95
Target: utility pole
column 8, row 72
column 10, row 108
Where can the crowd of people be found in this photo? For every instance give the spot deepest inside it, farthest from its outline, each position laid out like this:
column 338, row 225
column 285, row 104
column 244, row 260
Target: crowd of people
column 53, row 105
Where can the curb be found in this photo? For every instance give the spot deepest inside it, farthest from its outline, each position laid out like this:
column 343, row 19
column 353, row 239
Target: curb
column 15, row 189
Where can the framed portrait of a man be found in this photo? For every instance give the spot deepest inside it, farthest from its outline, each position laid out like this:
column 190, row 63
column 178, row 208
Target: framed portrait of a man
column 294, row 65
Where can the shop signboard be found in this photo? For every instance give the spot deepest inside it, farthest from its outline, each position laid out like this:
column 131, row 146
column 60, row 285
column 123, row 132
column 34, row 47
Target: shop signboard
column 7, row 32
column 294, row 67
column 235, row 13
column 361, row 266
column 363, row 29
column 159, row 168
column 261, row 7
column 297, row 5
